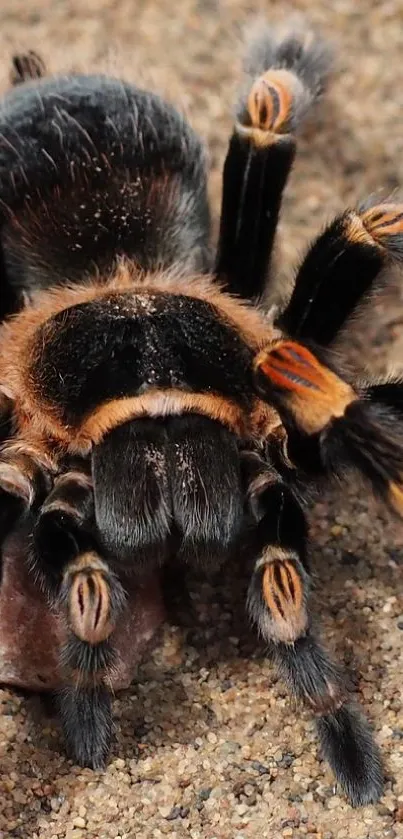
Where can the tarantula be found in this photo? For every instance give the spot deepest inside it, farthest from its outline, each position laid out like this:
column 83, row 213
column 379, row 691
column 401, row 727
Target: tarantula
column 153, row 409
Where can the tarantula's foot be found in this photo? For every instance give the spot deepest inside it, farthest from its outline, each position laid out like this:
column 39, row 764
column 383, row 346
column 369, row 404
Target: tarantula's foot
column 277, row 597
column 86, row 716
column 305, row 390
column 348, row 745
column 26, row 66
column 345, row 736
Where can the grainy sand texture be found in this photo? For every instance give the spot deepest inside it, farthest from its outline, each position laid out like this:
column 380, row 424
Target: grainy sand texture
column 209, row 745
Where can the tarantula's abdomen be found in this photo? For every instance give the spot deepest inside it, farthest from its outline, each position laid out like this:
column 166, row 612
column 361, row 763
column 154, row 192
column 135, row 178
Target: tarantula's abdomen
column 138, row 353
column 92, row 168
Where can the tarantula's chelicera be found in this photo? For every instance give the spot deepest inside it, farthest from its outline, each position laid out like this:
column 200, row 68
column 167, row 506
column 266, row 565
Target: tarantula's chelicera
column 154, row 410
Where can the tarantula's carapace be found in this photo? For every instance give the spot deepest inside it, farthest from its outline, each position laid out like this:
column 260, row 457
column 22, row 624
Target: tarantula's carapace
column 154, row 410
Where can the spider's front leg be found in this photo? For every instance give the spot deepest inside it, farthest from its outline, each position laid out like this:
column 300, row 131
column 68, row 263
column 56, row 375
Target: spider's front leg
column 278, row 603
column 331, row 424
column 26, row 475
column 284, row 75
column 85, row 590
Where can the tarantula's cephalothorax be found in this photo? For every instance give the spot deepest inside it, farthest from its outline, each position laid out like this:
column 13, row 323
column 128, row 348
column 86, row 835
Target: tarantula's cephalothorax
column 155, row 414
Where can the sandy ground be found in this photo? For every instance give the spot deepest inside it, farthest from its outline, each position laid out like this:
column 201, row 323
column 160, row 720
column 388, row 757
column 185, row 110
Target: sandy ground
column 208, row 743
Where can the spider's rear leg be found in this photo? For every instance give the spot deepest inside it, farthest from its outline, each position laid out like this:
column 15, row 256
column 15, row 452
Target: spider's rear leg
column 26, row 66
column 284, row 75
column 90, row 597
column 346, row 264
column 332, row 425
column 278, row 605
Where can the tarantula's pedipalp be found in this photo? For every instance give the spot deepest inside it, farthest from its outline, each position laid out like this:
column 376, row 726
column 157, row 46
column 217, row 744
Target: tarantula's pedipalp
column 26, row 66
column 332, row 425
column 342, row 269
column 88, row 593
column 278, row 606
column 285, row 75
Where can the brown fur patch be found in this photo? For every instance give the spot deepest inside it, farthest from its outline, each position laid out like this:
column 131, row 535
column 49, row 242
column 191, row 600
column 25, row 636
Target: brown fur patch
column 20, row 466
column 270, row 100
column 396, row 497
column 160, row 403
column 383, row 220
column 311, row 392
column 375, row 225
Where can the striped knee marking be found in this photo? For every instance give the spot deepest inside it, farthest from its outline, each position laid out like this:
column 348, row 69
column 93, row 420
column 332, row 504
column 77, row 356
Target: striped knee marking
column 269, row 107
column 313, row 393
column 376, row 226
column 284, row 594
column 89, row 599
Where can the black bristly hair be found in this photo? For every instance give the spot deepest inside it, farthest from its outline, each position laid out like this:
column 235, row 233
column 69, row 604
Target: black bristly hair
column 186, row 494
column 81, row 136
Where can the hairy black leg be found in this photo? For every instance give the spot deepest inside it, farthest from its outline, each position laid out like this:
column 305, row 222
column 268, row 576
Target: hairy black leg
column 25, row 478
column 331, row 425
column 26, row 66
column 90, row 597
column 278, row 605
column 342, row 269
column 284, row 75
